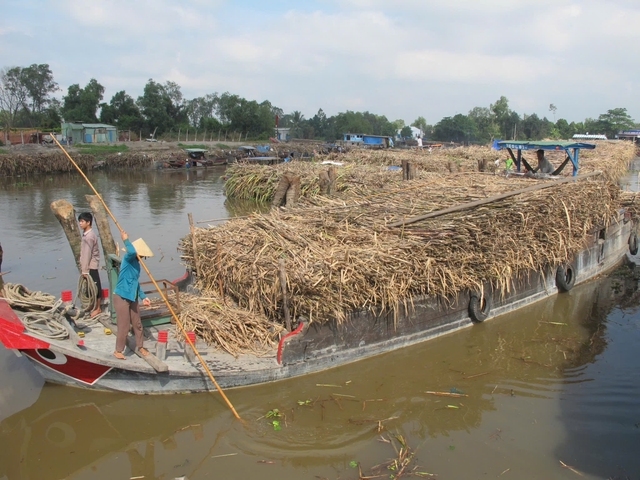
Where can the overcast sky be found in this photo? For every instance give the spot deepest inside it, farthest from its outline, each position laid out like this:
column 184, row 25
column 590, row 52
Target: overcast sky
column 398, row 58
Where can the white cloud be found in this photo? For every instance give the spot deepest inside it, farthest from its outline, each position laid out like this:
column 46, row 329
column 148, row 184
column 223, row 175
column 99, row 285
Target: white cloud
column 345, row 54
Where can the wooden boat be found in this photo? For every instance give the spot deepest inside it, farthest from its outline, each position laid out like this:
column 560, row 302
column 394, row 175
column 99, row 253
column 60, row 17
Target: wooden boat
column 88, row 362
column 196, row 157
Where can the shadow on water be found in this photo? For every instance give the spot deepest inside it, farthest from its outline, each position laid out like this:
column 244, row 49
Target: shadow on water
column 517, row 374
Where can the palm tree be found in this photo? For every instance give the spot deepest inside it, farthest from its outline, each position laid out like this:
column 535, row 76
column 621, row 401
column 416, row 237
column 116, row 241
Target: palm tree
column 296, row 118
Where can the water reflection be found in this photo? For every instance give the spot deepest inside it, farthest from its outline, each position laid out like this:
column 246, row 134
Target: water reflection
column 519, row 374
column 150, row 204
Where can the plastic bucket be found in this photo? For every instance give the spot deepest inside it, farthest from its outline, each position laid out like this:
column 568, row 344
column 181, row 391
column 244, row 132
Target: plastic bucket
column 66, row 295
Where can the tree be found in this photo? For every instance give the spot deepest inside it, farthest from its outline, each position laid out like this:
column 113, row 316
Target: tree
column 553, row 108
column 201, row 108
column 486, row 126
column 564, row 129
column 502, row 116
column 154, row 105
column 406, row 132
column 38, row 80
column 13, row 95
column 50, row 118
column 460, row 128
column 614, row 121
column 398, row 124
column 421, row 123
column 81, row 104
column 320, row 125
column 122, row 111
column 296, row 120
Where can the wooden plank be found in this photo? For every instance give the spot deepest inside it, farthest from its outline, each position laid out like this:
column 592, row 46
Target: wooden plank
column 157, row 364
column 465, row 206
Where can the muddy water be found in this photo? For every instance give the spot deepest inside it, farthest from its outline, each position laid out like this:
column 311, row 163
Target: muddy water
column 555, row 382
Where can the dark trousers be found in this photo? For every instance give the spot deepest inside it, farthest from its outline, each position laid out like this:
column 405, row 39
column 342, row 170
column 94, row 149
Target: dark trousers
column 95, row 276
column 126, row 315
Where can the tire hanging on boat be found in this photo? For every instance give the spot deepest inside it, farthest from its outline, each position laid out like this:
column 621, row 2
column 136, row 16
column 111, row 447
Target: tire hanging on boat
column 479, row 307
column 633, row 243
column 565, row 277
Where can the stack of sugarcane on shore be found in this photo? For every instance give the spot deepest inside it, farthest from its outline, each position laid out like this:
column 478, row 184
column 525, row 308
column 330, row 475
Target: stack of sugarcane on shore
column 357, row 249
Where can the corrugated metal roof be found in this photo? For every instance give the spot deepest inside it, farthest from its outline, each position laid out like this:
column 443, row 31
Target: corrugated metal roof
column 97, row 125
column 544, row 145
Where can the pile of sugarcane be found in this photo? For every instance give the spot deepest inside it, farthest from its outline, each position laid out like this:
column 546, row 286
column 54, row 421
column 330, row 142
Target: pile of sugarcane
column 345, row 255
column 21, row 164
column 131, row 160
column 219, row 322
column 365, row 172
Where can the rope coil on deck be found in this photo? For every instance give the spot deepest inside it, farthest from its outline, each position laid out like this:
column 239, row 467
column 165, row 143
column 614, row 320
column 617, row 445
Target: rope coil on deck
column 87, row 292
column 45, row 324
column 44, row 313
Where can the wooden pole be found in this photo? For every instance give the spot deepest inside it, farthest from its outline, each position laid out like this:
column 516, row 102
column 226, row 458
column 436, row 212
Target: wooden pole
column 476, row 203
column 162, row 295
column 194, row 244
column 285, row 299
column 66, row 215
column 102, row 224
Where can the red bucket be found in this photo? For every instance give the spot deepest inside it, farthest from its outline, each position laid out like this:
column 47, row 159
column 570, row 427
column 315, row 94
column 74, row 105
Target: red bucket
column 105, row 293
column 162, row 336
column 66, row 296
column 192, row 337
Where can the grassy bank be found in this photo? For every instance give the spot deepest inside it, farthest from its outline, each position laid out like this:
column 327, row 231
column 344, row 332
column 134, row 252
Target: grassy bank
column 100, row 151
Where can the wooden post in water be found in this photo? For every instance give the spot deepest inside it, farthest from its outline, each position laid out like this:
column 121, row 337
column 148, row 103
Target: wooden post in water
column 101, row 221
column 66, row 215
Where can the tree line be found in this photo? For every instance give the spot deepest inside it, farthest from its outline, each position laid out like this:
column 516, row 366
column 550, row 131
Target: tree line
column 26, row 100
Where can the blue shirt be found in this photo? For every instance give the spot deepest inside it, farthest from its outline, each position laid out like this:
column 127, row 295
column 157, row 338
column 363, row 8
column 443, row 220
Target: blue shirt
column 127, row 285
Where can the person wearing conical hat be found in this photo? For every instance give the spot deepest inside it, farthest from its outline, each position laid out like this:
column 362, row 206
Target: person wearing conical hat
column 127, row 293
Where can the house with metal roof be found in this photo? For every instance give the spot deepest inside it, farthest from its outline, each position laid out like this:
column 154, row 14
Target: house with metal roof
column 89, row 132
column 366, row 140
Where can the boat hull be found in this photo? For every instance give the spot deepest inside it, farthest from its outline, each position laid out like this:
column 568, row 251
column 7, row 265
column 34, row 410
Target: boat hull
column 314, row 347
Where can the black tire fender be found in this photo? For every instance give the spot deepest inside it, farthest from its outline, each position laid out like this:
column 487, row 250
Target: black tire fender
column 633, row 243
column 565, row 277
column 479, row 306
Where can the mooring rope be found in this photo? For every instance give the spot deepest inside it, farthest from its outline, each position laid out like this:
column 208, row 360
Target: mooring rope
column 87, row 292
column 44, row 314
column 18, row 295
column 45, row 324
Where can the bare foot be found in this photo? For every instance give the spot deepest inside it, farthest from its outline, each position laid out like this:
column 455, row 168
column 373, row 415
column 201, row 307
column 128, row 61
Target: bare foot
column 118, row 355
column 143, row 351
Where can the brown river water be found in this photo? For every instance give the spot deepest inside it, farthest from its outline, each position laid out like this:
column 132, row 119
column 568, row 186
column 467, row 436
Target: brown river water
column 551, row 391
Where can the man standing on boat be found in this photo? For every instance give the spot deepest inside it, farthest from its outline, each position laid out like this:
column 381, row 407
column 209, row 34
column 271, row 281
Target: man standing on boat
column 90, row 257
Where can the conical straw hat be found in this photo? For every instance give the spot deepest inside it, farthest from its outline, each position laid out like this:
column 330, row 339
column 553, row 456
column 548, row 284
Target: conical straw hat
column 142, row 248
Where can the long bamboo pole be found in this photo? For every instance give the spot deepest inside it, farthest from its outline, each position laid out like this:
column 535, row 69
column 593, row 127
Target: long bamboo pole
column 164, row 298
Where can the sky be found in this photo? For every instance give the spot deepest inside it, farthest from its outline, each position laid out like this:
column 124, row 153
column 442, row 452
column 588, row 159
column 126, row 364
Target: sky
column 402, row 58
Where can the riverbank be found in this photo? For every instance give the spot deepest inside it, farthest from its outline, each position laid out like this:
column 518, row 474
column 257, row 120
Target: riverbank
column 27, row 159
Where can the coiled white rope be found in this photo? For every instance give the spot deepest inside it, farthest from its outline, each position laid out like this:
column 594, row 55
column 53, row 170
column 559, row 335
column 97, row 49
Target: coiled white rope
column 46, row 324
column 87, row 292
column 43, row 317
column 19, row 296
